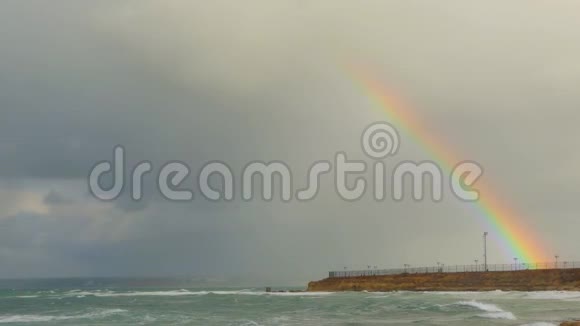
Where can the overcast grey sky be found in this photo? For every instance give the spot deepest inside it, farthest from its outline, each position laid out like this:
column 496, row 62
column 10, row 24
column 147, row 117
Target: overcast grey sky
column 262, row 80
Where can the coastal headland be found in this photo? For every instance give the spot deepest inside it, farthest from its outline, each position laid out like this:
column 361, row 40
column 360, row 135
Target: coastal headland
column 525, row 280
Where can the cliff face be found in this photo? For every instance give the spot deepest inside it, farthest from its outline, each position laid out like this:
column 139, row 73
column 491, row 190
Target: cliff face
column 528, row 280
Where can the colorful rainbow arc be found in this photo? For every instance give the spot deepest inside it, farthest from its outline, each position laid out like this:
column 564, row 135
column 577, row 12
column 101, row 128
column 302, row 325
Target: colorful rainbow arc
column 516, row 239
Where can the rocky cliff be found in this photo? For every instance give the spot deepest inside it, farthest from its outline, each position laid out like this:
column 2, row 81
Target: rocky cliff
column 528, row 280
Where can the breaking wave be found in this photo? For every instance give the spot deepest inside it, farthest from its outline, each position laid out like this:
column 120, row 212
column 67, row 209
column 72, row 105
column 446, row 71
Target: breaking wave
column 182, row 292
column 554, row 295
column 491, row 311
column 47, row 318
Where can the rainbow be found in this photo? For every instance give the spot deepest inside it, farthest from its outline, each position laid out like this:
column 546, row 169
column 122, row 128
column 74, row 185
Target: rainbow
column 516, row 239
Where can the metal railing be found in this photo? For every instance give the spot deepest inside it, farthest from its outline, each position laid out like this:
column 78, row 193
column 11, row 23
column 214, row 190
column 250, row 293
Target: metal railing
column 455, row 269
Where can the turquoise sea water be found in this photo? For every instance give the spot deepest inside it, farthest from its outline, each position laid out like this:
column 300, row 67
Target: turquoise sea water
column 202, row 306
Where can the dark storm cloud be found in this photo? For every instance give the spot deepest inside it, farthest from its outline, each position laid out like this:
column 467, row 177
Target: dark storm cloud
column 238, row 82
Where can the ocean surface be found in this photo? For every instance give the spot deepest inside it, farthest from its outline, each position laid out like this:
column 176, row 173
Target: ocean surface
column 93, row 305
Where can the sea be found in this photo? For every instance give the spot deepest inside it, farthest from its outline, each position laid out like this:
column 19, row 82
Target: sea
column 90, row 302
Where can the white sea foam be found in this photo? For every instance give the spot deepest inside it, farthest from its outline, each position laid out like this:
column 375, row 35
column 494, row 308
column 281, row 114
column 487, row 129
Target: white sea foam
column 300, row 294
column 499, row 315
column 82, row 294
column 378, row 297
column 280, row 319
column 491, row 310
column 149, row 319
column 250, row 323
column 481, row 306
column 538, row 295
column 47, row 318
column 554, row 295
column 182, row 292
column 27, row 318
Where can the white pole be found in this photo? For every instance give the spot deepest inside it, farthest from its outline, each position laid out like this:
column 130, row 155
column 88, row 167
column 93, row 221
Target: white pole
column 485, row 251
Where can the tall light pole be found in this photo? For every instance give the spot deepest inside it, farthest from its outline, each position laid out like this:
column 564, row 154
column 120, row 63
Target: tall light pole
column 476, row 266
column 556, row 256
column 485, row 251
column 515, row 264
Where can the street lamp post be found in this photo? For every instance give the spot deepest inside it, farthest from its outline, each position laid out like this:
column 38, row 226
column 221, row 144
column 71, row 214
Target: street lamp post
column 476, row 266
column 515, row 264
column 556, row 263
column 485, row 251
